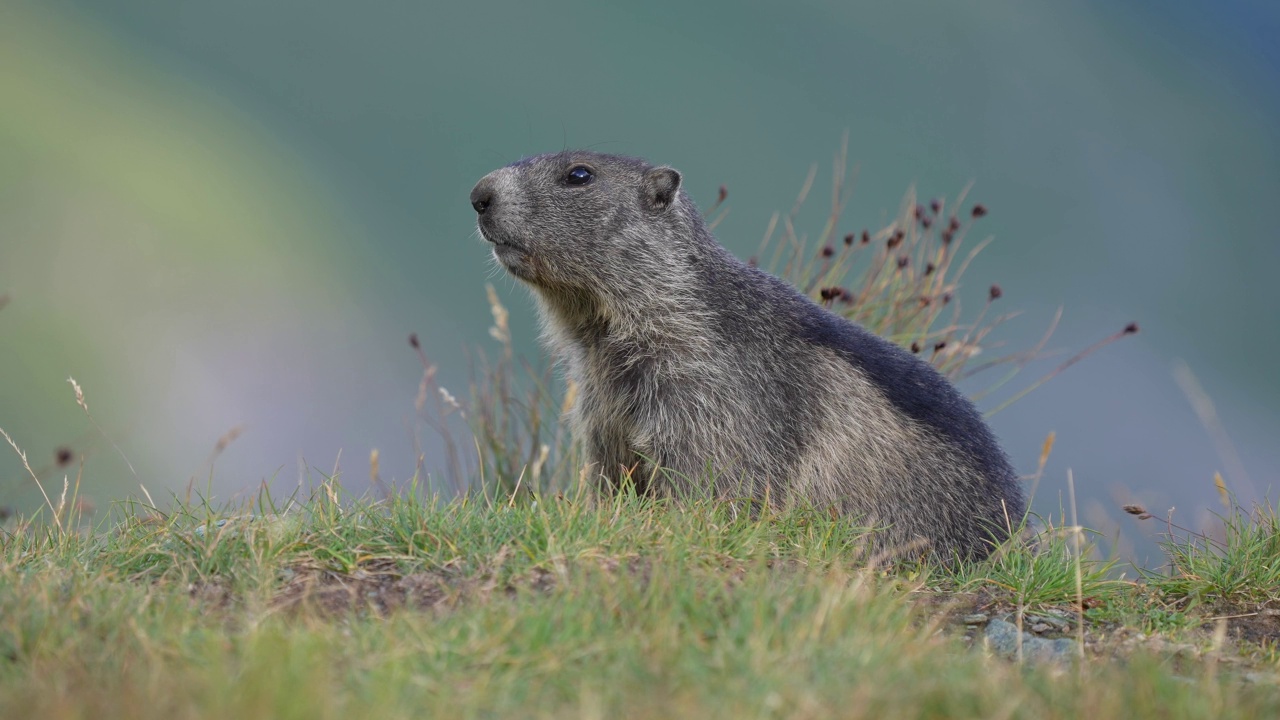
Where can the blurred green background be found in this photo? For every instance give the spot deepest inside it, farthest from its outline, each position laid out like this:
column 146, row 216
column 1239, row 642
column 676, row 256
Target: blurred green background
column 233, row 213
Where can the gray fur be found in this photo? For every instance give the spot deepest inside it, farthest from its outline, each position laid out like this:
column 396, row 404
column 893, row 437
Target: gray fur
column 696, row 371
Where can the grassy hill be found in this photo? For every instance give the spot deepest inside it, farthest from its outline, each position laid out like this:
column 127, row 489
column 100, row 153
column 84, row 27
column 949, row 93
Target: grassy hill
column 570, row 607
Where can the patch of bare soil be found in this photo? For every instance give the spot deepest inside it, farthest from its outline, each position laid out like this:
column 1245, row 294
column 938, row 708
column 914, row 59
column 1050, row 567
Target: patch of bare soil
column 378, row 588
column 1259, row 625
column 381, row 588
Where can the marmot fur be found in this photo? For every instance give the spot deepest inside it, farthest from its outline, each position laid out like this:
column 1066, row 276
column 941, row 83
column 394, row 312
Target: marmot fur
column 697, row 371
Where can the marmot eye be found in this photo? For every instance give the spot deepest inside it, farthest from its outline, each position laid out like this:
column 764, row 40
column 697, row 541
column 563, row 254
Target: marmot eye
column 578, row 175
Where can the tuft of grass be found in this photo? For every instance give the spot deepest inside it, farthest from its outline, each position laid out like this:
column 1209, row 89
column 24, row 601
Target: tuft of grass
column 1041, row 571
column 1240, row 569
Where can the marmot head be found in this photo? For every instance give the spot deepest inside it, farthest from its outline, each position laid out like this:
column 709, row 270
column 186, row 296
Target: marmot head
column 582, row 221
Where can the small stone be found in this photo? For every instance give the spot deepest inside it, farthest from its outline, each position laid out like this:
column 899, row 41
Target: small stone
column 1050, row 620
column 1003, row 639
column 975, row 619
column 1040, row 628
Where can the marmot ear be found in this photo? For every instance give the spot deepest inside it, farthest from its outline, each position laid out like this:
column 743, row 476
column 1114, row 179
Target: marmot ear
column 659, row 187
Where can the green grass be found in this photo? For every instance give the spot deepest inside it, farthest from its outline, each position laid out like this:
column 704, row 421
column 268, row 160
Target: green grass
column 1241, row 569
column 557, row 607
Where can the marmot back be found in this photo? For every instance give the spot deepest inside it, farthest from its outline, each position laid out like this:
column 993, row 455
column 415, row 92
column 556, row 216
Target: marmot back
column 697, row 370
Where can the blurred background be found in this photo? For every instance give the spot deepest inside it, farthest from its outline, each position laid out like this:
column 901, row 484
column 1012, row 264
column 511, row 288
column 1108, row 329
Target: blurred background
column 231, row 215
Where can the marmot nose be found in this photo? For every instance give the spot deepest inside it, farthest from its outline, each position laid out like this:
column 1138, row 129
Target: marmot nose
column 482, row 196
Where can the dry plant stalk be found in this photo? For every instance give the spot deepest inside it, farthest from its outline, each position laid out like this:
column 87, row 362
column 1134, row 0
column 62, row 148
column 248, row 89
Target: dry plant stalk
column 57, row 519
column 902, row 282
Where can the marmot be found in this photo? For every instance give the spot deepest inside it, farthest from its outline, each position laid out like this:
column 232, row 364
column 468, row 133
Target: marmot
column 696, row 370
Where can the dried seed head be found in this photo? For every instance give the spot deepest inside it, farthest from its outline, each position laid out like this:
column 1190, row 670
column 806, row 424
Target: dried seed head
column 996, row 292
column 1131, row 328
column 915, row 347
column 903, row 261
column 925, row 301
column 228, row 438
column 724, row 193
column 946, row 298
column 935, row 205
column 1138, row 510
column 939, row 346
column 954, row 224
column 848, row 240
column 979, row 210
column 79, row 395
column 413, row 341
column 929, row 268
column 895, row 240
column 926, row 222
column 448, row 398
column 866, row 237
column 63, row 456
column 947, row 237
column 920, row 212
column 846, row 297
column 828, row 251
column 751, row 261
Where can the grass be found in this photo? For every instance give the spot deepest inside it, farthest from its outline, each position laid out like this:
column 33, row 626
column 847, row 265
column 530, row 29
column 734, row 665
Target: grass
column 1241, row 569
column 553, row 607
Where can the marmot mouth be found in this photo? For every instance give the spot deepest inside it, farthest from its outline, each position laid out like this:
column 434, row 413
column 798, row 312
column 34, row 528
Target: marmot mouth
column 504, row 251
column 510, row 254
column 497, row 239
column 515, row 260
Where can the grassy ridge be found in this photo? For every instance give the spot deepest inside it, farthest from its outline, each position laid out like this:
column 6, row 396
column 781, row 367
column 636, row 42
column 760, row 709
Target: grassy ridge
column 564, row 607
